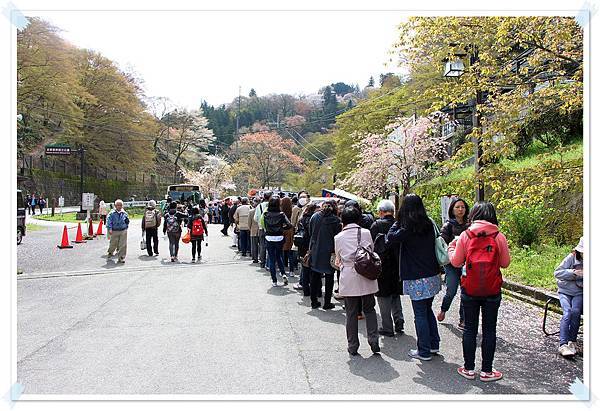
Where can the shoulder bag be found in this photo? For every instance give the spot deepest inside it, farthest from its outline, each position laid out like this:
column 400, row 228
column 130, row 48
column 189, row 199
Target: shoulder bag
column 441, row 248
column 366, row 262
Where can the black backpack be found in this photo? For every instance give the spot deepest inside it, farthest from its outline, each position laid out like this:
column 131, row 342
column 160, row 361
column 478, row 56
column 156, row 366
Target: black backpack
column 379, row 245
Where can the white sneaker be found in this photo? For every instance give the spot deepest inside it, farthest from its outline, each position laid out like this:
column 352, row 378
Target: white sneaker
column 274, row 284
column 565, row 351
column 573, row 347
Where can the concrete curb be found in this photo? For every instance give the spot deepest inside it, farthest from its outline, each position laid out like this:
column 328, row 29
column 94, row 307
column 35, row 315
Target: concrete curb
column 531, row 295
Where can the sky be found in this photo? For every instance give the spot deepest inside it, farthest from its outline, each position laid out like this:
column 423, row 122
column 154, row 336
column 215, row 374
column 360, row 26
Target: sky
column 207, row 55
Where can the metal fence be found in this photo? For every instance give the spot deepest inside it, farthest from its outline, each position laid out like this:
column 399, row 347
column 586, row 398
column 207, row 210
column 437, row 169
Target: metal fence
column 27, row 164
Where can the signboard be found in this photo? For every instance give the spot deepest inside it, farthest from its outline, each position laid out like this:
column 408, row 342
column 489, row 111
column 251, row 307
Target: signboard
column 58, row 150
column 445, row 202
column 87, row 201
column 61, row 201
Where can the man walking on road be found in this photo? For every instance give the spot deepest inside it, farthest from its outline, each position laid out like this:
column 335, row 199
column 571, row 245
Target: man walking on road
column 117, row 224
column 225, row 216
column 150, row 224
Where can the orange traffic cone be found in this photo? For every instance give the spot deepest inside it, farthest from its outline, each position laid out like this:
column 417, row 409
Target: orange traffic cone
column 65, row 240
column 91, row 229
column 79, row 237
column 99, row 232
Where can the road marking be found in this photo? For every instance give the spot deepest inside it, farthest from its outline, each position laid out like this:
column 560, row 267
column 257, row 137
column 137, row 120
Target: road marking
column 62, row 274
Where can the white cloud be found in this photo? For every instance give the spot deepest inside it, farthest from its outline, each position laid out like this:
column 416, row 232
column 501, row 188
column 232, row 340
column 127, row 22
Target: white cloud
column 194, row 55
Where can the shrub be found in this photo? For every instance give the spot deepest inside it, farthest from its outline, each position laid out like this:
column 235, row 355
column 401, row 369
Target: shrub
column 523, row 224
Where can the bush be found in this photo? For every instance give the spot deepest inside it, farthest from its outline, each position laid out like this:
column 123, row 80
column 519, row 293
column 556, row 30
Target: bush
column 523, row 224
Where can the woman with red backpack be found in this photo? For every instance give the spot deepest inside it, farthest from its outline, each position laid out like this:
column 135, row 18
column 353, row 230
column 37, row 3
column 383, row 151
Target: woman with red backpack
column 483, row 250
column 197, row 227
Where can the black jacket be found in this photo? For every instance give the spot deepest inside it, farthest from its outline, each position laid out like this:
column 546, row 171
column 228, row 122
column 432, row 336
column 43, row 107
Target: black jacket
column 180, row 217
column 366, row 222
column 232, row 212
column 417, row 258
column 304, row 226
column 276, row 223
column 451, row 229
column 323, row 228
column 389, row 280
column 191, row 223
column 225, row 212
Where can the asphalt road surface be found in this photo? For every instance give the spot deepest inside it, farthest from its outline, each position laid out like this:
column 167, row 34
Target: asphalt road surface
column 90, row 326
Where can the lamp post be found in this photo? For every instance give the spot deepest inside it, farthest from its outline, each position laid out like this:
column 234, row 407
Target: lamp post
column 455, row 69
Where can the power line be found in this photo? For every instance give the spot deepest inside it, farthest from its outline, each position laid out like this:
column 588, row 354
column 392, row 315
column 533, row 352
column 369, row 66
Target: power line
column 304, row 147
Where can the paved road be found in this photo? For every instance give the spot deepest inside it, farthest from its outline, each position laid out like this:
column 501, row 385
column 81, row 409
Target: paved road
column 153, row 327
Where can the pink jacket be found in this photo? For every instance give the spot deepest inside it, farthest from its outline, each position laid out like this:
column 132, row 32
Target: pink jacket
column 353, row 284
column 457, row 249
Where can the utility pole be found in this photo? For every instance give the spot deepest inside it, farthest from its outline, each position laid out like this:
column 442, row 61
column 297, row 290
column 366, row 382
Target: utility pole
column 479, row 190
column 81, row 152
column 237, row 120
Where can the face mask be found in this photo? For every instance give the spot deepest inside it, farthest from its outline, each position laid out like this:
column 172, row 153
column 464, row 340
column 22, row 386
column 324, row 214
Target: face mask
column 302, row 201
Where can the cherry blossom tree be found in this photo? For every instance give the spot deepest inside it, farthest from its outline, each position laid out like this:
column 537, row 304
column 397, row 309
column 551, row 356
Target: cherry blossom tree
column 265, row 157
column 213, row 178
column 395, row 159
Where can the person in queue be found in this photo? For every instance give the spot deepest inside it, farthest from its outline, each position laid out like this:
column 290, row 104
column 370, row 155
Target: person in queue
column 413, row 237
column 354, row 287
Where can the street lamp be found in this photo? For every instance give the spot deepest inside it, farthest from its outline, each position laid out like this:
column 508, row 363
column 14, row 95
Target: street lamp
column 454, row 69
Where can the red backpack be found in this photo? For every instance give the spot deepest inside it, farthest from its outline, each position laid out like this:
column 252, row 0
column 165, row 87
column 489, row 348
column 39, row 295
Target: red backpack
column 483, row 277
column 197, row 227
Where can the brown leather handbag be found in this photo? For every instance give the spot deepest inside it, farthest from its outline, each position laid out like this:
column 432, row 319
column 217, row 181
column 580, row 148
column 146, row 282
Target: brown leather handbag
column 366, row 262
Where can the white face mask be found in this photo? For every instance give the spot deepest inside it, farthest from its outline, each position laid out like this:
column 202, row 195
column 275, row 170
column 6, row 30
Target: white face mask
column 302, row 201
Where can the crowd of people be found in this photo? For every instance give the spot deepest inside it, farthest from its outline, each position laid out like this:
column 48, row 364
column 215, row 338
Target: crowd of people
column 321, row 240
column 33, row 201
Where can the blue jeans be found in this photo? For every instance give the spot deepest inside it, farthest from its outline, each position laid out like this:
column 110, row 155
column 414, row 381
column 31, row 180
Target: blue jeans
column 572, row 307
column 293, row 260
column 275, row 253
column 244, row 240
column 452, row 283
column 428, row 337
column 489, row 315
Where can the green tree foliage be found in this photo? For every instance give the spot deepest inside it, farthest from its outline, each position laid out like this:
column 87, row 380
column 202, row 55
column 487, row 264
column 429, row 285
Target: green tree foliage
column 371, row 82
column 528, row 67
column 369, row 116
column 78, row 96
column 252, row 93
column 341, row 89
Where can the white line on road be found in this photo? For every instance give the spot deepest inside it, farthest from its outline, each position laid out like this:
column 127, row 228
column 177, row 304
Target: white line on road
column 61, row 274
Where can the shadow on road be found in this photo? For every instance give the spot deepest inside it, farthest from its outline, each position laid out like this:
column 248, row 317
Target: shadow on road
column 374, row 368
column 397, row 347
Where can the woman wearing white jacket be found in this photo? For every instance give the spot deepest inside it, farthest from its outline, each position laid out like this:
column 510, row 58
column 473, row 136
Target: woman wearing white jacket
column 354, row 287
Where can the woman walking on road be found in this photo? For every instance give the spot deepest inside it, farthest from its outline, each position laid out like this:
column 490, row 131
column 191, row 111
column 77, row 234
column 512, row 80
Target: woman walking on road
column 275, row 223
column 413, row 236
column 198, row 230
column 484, row 250
column 355, row 288
column 456, row 224
column 172, row 227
